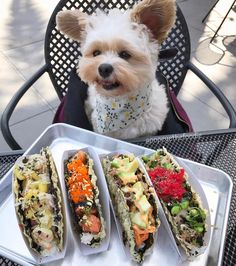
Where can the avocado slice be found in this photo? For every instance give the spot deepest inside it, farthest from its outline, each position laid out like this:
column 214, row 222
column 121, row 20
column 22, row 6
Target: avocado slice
column 130, row 167
column 137, row 219
column 138, row 189
column 127, row 172
column 115, row 163
column 143, row 204
column 119, row 162
column 128, row 177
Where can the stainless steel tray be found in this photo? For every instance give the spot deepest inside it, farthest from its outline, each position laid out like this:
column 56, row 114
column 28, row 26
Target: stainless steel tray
column 60, row 137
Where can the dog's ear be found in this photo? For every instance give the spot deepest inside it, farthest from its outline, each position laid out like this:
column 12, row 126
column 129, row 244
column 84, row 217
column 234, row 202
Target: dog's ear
column 158, row 15
column 72, row 23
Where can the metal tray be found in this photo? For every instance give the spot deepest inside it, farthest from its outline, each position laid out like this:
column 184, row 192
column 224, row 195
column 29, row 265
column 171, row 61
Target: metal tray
column 216, row 184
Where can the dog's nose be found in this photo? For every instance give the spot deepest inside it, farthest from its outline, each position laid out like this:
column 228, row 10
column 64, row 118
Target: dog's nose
column 105, row 70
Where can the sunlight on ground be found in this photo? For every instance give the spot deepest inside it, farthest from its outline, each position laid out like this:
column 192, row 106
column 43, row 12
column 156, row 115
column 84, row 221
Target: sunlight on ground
column 210, row 51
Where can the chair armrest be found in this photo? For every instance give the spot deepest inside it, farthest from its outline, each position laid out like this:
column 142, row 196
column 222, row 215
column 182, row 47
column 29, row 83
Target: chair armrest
column 11, row 106
column 217, row 92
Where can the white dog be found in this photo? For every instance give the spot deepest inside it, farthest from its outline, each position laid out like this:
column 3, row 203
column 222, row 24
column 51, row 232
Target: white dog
column 119, row 60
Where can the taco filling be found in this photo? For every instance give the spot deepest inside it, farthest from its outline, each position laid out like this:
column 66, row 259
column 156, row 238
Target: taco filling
column 181, row 204
column 38, row 202
column 83, row 194
column 134, row 202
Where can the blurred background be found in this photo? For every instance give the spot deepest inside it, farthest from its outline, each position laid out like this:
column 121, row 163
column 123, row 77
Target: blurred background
column 22, row 28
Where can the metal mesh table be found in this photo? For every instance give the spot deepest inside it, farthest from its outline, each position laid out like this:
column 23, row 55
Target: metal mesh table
column 6, row 162
column 215, row 148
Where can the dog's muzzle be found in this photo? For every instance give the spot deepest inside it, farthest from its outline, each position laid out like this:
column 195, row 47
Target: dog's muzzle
column 105, row 70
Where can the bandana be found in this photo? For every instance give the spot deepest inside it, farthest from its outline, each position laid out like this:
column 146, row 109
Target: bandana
column 119, row 112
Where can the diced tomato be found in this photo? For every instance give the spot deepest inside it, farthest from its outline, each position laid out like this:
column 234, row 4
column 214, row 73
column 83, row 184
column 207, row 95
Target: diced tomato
column 92, row 224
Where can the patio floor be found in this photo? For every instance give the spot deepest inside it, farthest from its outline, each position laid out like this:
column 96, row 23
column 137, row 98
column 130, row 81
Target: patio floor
column 22, row 28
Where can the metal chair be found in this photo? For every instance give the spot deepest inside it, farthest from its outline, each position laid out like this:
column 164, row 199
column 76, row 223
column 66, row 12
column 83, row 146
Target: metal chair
column 61, row 55
column 223, row 20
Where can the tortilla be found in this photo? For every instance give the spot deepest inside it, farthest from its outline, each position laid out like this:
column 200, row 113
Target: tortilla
column 83, row 196
column 181, row 204
column 134, row 202
column 38, row 202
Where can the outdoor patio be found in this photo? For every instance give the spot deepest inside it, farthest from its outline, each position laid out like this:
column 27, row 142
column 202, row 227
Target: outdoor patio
column 22, row 28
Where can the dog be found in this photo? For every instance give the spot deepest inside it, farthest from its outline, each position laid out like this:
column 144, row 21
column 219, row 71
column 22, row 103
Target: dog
column 119, row 62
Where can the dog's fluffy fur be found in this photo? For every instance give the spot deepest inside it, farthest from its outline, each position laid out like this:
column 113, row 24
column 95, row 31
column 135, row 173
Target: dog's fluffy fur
column 128, row 41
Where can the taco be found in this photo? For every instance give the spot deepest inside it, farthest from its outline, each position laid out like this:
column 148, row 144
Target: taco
column 83, row 195
column 38, row 202
column 134, row 202
column 181, row 204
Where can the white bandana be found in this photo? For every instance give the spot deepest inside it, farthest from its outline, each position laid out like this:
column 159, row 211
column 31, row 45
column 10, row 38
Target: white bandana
column 118, row 112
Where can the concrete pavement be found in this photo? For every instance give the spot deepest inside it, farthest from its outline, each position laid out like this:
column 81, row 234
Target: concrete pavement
column 22, row 28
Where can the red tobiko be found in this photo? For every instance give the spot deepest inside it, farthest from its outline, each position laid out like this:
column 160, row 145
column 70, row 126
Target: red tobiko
column 167, row 183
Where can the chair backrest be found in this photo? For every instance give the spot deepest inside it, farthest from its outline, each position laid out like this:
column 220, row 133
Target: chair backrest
column 61, row 53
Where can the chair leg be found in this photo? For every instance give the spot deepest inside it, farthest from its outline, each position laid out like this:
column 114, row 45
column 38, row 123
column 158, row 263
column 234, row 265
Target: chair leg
column 222, row 21
column 210, row 11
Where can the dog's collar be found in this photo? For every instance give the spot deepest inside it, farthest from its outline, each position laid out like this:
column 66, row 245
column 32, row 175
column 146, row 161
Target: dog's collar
column 117, row 113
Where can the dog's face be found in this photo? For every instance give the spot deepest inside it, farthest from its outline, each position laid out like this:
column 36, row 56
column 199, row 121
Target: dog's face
column 119, row 49
column 116, row 54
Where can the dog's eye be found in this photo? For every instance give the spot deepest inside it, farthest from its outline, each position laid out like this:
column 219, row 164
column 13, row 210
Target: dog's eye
column 96, row 53
column 125, row 55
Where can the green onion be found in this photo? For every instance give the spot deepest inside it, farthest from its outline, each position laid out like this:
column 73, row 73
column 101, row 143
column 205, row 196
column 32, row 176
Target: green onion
column 153, row 164
column 167, row 165
column 145, row 159
column 199, row 229
column 184, row 204
column 175, row 210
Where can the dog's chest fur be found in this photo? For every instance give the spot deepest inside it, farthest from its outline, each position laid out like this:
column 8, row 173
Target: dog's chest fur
column 148, row 123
